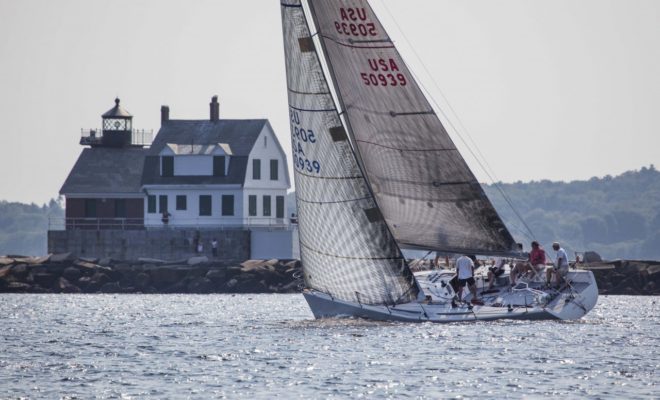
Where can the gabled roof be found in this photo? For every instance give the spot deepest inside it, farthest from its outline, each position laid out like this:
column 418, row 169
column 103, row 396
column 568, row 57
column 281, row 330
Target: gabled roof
column 240, row 135
column 236, row 137
column 106, row 170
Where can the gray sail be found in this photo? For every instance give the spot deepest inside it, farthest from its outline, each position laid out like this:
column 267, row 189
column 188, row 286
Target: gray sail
column 346, row 248
column 425, row 190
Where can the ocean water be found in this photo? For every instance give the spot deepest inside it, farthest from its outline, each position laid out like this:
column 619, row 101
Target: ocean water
column 267, row 346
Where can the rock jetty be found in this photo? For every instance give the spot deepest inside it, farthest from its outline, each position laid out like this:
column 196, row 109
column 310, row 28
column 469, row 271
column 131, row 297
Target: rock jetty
column 631, row 277
column 65, row 273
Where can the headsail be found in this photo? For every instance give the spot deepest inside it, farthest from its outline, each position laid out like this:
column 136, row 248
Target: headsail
column 425, row 190
column 346, row 248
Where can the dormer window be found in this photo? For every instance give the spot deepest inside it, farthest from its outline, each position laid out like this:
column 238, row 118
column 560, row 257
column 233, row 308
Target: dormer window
column 219, row 166
column 195, row 160
column 167, row 166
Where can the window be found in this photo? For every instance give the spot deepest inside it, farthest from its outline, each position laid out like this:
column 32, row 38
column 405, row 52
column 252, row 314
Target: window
column 227, row 204
column 181, row 202
column 120, row 208
column 205, row 206
column 252, row 205
column 279, row 207
column 151, row 204
column 167, row 166
column 256, row 169
column 162, row 203
column 219, row 166
column 266, row 206
column 265, row 141
column 273, row 170
column 90, row 208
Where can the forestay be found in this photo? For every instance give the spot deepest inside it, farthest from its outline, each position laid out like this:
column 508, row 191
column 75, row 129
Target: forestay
column 425, row 190
column 346, row 248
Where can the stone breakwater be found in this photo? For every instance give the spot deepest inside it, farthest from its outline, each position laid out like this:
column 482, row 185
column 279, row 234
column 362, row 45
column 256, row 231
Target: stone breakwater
column 64, row 273
column 630, row 277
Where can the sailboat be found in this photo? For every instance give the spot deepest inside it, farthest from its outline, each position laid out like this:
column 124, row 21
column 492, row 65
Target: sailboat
column 376, row 171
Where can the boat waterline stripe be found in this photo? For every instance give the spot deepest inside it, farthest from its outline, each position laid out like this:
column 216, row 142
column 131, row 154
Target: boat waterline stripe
column 306, row 110
column 400, row 149
column 353, row 46
column 334, row 202
column 349, row 257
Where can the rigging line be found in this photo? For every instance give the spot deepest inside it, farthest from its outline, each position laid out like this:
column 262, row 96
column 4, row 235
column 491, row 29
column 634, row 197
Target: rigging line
column 530, row 235
column 504, row 195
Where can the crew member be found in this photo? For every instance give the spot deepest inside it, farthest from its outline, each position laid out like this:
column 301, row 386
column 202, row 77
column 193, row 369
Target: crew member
column 560, row 268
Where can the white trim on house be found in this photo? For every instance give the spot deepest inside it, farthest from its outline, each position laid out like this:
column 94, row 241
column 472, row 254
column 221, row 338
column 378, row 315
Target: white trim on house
column 131, row 195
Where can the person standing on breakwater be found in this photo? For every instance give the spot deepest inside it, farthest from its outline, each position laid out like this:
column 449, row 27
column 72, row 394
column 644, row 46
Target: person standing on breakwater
column 214, row 247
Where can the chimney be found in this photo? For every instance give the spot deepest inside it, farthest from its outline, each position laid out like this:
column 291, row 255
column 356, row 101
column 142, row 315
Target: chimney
column 164, row 114
column 215, row 108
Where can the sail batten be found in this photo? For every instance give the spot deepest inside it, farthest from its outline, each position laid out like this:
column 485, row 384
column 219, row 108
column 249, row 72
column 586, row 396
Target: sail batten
column 391, row 122
column 343, row 253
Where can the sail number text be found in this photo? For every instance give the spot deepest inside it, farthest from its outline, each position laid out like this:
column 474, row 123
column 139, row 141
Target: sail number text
column 353, row 22
column 301, row 137
column 383, row 73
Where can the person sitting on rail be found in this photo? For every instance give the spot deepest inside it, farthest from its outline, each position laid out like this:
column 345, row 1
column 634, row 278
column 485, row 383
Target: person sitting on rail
column 495, row 271
column 535, row 263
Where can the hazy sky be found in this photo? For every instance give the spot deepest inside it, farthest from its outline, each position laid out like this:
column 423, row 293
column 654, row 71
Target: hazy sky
column 548, row 89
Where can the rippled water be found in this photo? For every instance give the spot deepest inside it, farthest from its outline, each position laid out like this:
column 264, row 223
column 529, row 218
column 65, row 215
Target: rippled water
column 261, row 346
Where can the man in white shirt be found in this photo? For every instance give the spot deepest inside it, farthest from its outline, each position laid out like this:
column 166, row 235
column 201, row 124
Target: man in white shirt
column 465, row 271
column 560, row 269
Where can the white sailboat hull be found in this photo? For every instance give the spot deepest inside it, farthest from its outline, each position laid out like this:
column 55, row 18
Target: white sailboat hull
column 573, row 302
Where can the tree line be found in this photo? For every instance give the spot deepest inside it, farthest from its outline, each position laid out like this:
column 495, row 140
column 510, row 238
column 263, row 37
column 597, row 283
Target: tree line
column 616, row 216
column 23, row 227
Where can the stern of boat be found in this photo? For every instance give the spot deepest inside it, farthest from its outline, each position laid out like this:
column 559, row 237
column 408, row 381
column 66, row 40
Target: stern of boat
column 577, row 299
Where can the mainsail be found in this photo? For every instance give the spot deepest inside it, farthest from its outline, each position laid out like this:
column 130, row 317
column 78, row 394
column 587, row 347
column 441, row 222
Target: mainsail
column 346, row 247
column 426, row 192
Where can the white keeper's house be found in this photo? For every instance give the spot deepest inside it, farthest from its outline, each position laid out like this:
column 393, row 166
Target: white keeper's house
column 215, row 172
column 207, row 178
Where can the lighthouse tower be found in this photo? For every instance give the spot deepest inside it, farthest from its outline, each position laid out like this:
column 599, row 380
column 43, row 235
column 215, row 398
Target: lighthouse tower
column 117, row 127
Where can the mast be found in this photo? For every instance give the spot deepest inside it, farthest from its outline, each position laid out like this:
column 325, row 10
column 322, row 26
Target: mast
column 345, row 250
column 349, row 130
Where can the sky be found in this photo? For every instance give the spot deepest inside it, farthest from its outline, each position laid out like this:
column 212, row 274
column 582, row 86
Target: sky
column 541, row 89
